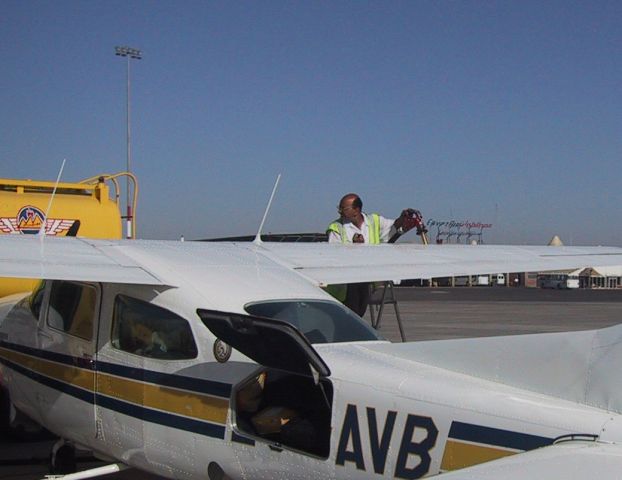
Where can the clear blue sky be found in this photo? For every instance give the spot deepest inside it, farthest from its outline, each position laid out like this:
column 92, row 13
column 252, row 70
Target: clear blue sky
column 461, row 109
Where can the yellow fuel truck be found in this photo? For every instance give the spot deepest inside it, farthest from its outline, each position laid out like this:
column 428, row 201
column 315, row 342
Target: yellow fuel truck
column 84, row 209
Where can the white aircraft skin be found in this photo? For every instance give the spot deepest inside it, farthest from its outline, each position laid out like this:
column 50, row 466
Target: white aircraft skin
column 391, row 411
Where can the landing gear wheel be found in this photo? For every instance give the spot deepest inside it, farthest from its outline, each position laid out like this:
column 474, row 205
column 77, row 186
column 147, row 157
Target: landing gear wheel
column 63, row 458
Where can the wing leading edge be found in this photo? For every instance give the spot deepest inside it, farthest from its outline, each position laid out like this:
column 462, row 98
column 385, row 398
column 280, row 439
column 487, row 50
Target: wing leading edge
column 70, row 258
column 137, row 261
column 330, row 264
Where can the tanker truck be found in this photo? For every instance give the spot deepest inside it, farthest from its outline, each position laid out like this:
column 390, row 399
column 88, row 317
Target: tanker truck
column 89, row 208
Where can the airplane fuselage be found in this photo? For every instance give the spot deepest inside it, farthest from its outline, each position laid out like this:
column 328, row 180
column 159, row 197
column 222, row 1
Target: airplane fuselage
column 385, row 416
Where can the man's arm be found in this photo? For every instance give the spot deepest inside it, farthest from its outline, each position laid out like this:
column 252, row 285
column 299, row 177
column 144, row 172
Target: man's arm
column 387, row 229
column 333, row 237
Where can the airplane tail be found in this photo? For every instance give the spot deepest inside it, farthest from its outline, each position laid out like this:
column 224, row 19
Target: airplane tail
column 576, row 366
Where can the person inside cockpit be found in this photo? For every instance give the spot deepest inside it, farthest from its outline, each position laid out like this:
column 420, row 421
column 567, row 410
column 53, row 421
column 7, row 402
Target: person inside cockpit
column 146, row 341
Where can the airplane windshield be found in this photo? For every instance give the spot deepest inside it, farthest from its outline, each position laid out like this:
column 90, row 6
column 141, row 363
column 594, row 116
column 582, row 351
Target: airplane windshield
column 319, row 321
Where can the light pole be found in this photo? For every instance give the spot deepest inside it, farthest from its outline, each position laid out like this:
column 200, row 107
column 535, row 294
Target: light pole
column 129, row 53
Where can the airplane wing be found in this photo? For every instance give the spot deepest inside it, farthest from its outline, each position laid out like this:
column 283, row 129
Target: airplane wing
column 563, row 461
column 333, row 264
column 69, row 258
column 135, row 261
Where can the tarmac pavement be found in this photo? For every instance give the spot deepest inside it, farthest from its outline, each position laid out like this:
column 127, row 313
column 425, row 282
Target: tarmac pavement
column 439, row 313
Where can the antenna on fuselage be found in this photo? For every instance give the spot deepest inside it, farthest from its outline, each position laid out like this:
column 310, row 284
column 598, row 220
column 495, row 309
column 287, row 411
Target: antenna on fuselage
column 45, row 219
column 257, row 240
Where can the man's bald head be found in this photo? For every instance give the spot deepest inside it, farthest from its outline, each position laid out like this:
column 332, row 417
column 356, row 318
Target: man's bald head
column 350, row 209
column 351, row 199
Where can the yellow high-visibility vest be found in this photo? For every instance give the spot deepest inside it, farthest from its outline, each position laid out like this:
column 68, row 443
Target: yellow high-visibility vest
column 373, row 229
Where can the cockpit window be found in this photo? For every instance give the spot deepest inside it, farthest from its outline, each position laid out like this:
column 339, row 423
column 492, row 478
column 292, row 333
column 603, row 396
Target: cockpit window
column 319, row 321
column 71, row 308
column 35, row 300
column 147, row 330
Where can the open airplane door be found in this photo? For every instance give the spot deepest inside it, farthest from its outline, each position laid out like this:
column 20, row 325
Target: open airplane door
column 287, row 403
column 271, row 343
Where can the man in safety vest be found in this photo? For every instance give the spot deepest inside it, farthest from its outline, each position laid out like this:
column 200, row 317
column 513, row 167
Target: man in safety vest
column 354, row 226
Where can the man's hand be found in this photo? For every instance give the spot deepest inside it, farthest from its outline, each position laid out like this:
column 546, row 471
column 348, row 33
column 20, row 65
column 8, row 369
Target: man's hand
column 408, row 220
column 358, row 238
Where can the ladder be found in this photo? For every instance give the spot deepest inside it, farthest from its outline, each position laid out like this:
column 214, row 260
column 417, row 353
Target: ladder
column 381, row 294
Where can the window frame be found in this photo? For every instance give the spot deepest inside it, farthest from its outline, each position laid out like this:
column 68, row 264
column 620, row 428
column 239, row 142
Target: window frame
column 50, row 305
column 115, row 327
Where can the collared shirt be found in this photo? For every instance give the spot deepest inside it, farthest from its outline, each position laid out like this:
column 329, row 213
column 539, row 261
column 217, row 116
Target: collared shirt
column 387, row 230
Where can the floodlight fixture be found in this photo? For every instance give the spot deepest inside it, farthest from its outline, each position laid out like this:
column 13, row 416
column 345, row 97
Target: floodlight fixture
column 128, row 52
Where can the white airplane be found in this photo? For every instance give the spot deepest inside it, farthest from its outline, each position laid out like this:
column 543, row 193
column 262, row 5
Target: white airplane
column 126, row 349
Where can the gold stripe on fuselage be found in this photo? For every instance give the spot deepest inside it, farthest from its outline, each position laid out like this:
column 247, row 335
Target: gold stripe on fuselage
column 76, row 376
column 460, row 455
column 189, row 404
column 166, row 399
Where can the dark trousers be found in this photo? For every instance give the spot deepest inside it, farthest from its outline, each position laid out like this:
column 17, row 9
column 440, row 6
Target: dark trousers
column 357, row 298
